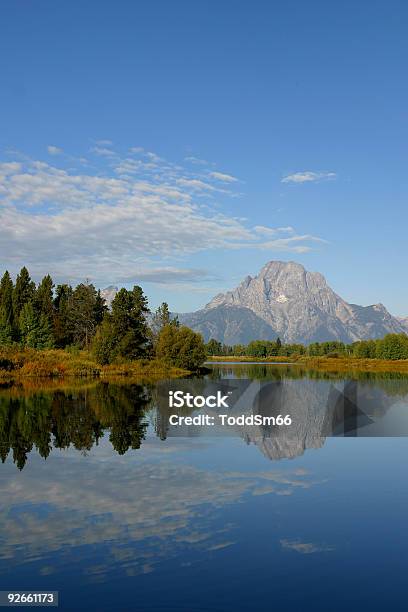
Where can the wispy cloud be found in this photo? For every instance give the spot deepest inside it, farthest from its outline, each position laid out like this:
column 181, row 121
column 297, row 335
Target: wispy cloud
column 225, row 178
column 197, row 160
column 104, row 143
column 129, row 218
column 52, row 150
column 170, row 275
column 308, row 177
column 103, row 151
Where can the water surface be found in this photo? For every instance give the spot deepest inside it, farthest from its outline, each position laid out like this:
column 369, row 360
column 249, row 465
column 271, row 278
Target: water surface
column 103, row 501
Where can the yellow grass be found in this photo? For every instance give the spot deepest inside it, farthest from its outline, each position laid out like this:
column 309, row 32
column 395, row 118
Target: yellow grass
column 57, row 363
column 245, row 359
column 327, row 364
column 340, row 364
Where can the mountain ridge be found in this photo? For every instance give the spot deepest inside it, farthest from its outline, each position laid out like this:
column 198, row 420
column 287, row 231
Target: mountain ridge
column 286, row 300
column 297, row 305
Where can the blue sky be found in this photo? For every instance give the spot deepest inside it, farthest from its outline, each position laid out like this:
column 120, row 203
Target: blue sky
column 181, row 145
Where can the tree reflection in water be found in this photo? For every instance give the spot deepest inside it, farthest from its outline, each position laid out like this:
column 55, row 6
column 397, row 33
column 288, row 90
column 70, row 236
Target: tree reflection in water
column 78, row 414
column 60, row 419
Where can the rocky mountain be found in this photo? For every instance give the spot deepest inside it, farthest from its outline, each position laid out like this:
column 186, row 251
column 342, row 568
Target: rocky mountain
column 286, row 300
column 404, row 322
column 231, row 325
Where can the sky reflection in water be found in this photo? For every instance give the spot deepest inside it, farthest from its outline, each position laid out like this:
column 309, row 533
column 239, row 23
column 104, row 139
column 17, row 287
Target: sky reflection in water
column 200, row 523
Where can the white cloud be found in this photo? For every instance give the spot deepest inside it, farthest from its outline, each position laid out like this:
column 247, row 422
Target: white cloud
column 293, row 244
column 196, row 184
column 308, row 177
column 197, row 160
column 272, row 231
column 102, row 151
column 52, row 150
column 153, row 156
column 226, row 178
column 127, row 220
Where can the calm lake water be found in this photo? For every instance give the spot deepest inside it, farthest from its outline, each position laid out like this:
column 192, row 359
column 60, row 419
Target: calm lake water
column 102, row 500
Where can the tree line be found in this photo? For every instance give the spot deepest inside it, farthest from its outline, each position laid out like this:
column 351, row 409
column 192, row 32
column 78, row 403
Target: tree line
column 392, row 346
column 46, row 316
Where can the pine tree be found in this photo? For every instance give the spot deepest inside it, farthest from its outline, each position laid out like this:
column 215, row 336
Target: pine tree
column 213, row 347
column 83, row 315
column 44, row 297
column 100, row 307
column 129, row 309
column 124, row 332
column 6, row 330
column 23, row 292
column 35, row 331
column 6, row 297
column 161, row 318
column 28, row 323
column 63, row 332
column 44, row 338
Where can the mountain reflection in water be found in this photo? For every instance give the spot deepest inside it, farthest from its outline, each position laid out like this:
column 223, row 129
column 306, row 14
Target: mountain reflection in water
column 130, row 513
column 320, row 405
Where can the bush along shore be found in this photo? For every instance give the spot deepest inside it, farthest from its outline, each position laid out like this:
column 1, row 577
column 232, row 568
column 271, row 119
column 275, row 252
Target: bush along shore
column 53, row 331
column 55, row 363
column 393, row 347
column 388, row 354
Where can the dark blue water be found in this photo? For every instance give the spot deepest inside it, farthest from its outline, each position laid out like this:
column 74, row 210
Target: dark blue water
column 117, row 519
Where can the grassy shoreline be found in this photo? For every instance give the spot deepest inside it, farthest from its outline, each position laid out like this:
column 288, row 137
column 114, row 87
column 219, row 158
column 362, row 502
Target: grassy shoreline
column 245, row 359
column 58, row 363
column 328, row 364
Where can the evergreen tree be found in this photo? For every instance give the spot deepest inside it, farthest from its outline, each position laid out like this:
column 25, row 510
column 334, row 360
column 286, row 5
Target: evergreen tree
column 213, row 347
column 129, row 309
column 35, row 331
column 100, row 308
column 103, row 344
column 6, row 330
column 63, row 333
column 6, row 298
column 124, row 332
column 163, row 317
column 44, row 336
column 28, row 325
column 23, row 292
column 44, row 298
column 82, row 314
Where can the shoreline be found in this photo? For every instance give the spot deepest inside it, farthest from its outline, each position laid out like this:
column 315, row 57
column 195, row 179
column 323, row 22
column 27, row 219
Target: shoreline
column 333, row 364
column 54, row 364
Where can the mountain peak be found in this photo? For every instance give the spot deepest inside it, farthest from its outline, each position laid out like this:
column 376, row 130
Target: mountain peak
column 299, row 306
